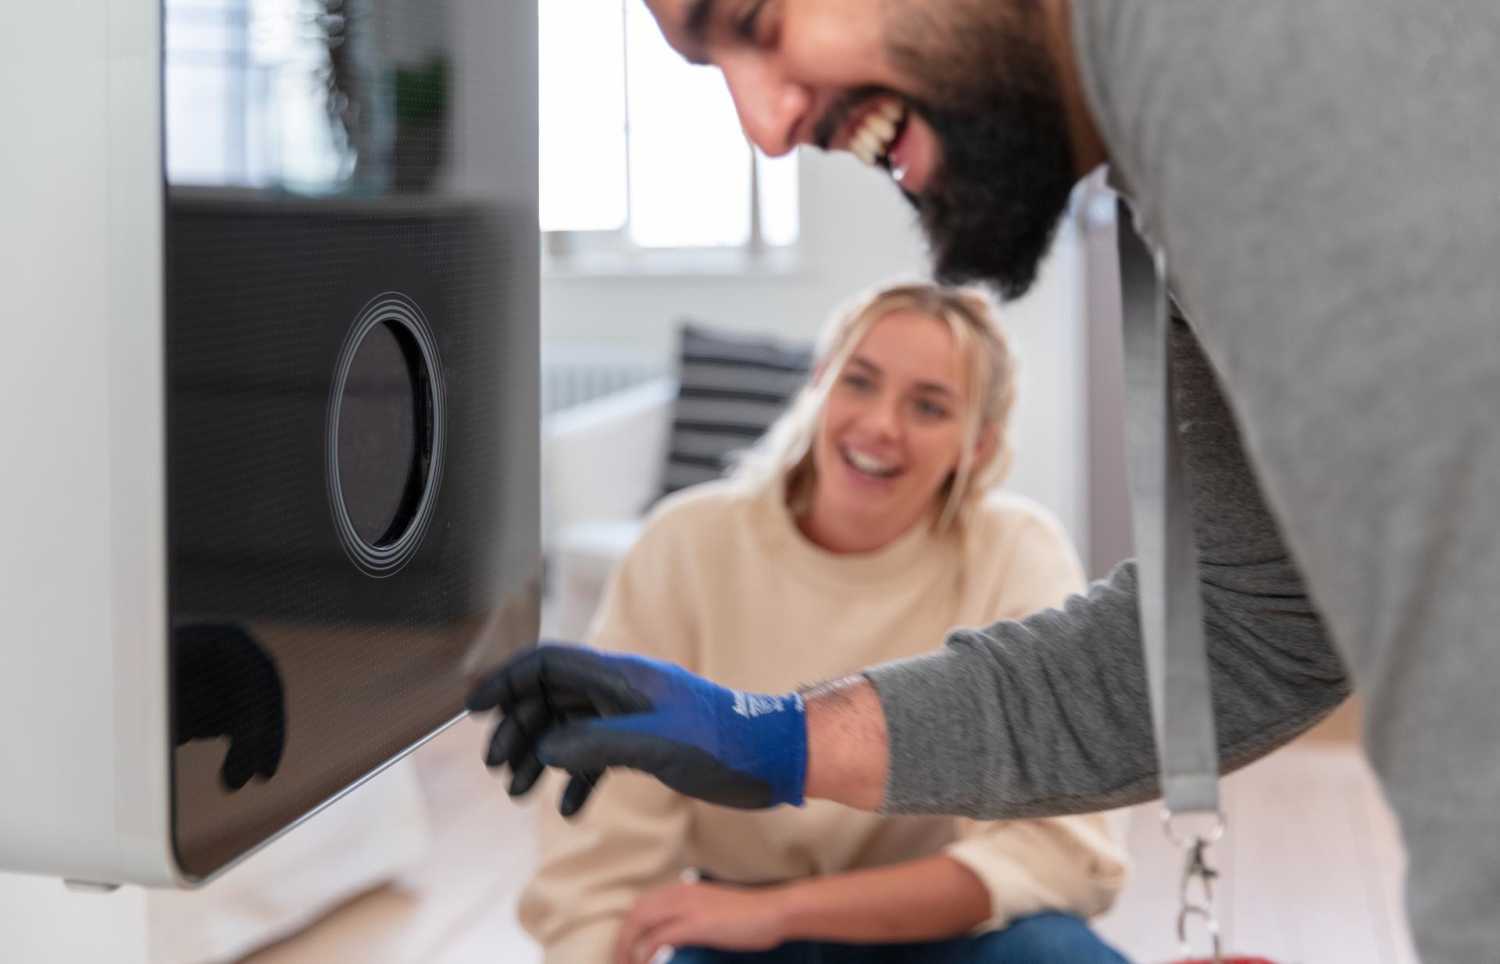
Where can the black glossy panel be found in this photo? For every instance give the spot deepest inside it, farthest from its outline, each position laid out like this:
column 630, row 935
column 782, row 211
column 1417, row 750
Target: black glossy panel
column 343, row 556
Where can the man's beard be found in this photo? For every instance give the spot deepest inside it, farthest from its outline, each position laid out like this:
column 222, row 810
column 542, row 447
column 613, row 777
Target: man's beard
column 1008, row 168
column 995, row 206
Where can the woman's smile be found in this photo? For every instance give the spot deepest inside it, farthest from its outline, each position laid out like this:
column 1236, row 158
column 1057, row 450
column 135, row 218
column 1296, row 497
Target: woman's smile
column 869, row 466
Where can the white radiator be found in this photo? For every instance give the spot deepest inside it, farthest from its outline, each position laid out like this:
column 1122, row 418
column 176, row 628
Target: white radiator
column 576, row 373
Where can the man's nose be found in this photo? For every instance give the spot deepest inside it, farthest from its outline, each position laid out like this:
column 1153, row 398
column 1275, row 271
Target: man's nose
column 773, row 110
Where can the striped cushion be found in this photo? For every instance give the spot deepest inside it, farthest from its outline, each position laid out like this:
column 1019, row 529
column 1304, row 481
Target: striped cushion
column 730, row 389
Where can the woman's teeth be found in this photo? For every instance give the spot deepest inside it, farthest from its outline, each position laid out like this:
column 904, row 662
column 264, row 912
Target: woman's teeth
column 877, row 131
column 869, row 465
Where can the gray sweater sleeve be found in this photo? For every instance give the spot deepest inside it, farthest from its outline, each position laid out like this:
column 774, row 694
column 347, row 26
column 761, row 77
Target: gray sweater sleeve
column 1050, row 714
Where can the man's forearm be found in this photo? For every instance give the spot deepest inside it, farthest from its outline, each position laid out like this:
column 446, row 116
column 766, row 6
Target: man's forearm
column 1050, row 714
column 847, row 750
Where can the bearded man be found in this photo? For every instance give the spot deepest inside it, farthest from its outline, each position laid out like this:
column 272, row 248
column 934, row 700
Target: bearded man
column 1317, row 177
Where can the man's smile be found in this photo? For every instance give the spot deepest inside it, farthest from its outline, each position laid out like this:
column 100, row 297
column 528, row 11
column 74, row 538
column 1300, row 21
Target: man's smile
column 884, row 131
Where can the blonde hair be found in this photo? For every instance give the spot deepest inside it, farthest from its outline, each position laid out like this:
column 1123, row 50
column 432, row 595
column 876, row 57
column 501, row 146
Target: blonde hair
column 785, row 451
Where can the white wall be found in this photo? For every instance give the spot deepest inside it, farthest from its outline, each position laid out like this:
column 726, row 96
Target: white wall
column 42, row 922
column 857, row 232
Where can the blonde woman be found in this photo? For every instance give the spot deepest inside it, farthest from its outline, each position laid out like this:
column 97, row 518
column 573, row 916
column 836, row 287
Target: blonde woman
column 859, row 530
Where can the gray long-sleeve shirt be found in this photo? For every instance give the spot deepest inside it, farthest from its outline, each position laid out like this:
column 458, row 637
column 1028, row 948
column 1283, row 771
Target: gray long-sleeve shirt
column 1321, row 176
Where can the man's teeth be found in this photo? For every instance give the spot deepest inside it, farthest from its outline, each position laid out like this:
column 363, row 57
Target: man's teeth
column 868, row 464
column 867, row 146
column 884, row 128
column 877, row 131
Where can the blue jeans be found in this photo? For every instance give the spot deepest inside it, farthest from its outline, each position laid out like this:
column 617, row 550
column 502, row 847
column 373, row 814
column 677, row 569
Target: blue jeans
column 1042, row 939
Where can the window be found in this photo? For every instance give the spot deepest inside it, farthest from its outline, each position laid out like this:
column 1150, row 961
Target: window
column 621, row 168
column 245, row 96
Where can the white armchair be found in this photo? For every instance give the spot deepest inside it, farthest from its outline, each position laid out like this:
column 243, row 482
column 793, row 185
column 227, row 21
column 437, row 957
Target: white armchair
column 601, row 467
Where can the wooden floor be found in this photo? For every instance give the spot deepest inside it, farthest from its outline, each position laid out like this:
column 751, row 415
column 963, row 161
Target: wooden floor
column 1311, row 871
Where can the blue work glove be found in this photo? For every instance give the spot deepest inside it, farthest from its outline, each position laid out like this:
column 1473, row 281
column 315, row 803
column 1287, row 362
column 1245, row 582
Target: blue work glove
column 584, row 711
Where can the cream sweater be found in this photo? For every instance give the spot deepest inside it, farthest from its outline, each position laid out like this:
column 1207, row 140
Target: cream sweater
column 722, row 582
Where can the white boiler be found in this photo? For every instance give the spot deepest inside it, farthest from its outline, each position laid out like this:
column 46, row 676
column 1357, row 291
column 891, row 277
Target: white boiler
column 268, row 422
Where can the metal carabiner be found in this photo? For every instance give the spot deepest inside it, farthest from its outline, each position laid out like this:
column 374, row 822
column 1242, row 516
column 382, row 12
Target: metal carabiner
column 1197, row 869
column 1209, row 921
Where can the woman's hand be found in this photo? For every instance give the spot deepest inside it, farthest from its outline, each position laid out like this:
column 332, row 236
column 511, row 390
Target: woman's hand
column 700, row 915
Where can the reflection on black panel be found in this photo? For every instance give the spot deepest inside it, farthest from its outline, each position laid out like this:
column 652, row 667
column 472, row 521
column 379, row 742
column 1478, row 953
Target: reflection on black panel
column 309, row 146
column 312, row 96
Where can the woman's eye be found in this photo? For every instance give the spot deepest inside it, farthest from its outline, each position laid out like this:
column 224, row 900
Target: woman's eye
column 860, row 383
column 930, row 409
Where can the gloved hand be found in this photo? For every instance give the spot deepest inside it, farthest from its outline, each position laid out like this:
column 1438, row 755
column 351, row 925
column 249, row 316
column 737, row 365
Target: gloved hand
column 584, row 711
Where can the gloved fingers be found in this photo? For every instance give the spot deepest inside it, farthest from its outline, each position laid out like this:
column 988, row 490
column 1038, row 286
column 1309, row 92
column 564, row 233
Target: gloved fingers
column 516, row 736
column 524, row 775
column 574, row 747
column 576, row 794
column 572, row 677
column 571, row 704
column 496, row 689
column 593, row 745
